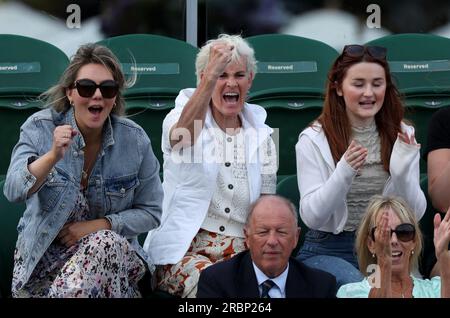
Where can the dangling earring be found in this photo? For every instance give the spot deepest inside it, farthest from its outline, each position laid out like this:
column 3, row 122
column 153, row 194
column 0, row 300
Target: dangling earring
column 72, row 103
column 412, row 252
column 373, row 255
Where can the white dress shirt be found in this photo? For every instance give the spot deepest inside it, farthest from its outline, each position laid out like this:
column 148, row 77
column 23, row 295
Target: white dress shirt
column 279, row 289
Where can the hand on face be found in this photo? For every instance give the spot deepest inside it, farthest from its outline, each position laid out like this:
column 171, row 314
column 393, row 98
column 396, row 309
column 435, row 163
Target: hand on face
column 219, row 58
column 355, row 155
column 62, row 139
column 383, row 239
column 410, row 140
column 442, row 235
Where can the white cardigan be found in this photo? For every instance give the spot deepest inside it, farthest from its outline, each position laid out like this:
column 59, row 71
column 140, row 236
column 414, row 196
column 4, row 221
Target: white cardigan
column 189, row 186
column 324, row 186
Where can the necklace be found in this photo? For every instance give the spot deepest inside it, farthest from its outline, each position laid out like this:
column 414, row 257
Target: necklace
column 85, row 177
column 403, row 289
column 85, row 173
column 88, row 169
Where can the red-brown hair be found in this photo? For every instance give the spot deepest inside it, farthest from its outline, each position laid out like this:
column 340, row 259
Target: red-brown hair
column 335, row 122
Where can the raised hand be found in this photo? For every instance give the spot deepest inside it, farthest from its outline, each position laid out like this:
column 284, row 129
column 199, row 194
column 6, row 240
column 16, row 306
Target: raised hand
column 441, row 240
column 381, row 286
column 62, row 138
column 219, row 58
column 383, row 240
column 442, row 235
column 355, row 155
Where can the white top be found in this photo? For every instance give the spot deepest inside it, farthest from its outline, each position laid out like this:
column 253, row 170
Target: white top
column 422, row 288
column 279, row 289
column 190, row 178
column 324, row 185
column 230, row 202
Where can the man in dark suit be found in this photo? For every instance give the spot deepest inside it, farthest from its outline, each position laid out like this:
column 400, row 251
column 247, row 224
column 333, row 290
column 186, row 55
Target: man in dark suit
column 266, row 270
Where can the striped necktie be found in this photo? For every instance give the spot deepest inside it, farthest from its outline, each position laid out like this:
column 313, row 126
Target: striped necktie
column 266, row 286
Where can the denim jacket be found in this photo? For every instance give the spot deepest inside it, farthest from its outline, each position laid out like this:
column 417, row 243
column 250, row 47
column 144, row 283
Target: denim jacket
column 124, row 185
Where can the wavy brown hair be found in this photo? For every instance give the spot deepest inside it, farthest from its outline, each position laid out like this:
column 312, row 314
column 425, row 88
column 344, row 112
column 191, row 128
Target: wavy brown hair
column 335, row 122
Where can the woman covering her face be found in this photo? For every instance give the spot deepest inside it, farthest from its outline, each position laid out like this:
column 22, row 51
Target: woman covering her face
column 389, row 244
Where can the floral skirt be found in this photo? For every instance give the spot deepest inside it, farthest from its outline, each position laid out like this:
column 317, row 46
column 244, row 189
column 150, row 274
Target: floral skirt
column 206, row 248
column 101, row 264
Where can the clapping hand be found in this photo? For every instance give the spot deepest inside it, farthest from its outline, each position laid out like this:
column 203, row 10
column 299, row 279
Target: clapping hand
column 355, row 155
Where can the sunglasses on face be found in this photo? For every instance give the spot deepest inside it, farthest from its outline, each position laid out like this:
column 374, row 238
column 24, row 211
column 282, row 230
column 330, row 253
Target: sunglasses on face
column 87, row 88
column 356, row 50
column 405, row 232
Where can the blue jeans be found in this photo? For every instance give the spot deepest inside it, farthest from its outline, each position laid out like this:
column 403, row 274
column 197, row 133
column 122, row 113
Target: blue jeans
column 332, row 253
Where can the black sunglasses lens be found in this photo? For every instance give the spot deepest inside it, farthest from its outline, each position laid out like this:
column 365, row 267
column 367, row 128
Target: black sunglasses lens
column 86, row 88
column 378, row 52
column 109, row 89
column 354, row 50
column 405, row 232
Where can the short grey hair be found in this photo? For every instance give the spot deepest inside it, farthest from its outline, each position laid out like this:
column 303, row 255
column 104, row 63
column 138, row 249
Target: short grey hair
column 279, row 198
column 241, row 49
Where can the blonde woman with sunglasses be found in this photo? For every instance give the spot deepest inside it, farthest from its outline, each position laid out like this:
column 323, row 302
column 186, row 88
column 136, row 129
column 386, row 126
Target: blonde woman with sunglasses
column 358, row 147
column 91, row 185
column 389, row 244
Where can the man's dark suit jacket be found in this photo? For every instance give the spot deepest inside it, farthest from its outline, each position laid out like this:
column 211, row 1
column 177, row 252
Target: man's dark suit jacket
column 236, row 278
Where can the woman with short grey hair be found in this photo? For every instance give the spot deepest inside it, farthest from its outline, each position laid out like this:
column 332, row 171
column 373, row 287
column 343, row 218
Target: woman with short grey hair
column 219, row 157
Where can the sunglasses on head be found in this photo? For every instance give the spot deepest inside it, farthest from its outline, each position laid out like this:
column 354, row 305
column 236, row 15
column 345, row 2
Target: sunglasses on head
column 87, row 88
column 356, row 50
column 405, row 232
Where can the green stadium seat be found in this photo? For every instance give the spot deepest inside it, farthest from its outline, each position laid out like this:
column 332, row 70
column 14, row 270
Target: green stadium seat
column 163, row 67
column 28, row 67
column 420, row 67
column 290, row 84
column 10, row 213
column 288, row 188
